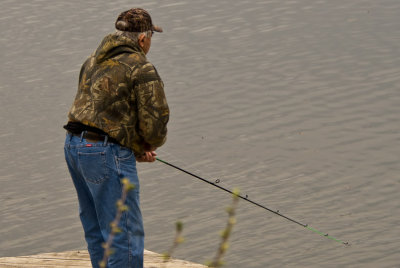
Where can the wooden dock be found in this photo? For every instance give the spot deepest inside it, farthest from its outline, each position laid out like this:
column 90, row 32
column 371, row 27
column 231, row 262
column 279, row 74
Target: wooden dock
column 80, row 258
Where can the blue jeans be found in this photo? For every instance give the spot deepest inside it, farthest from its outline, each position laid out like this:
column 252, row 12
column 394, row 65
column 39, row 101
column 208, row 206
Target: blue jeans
column 96, row 169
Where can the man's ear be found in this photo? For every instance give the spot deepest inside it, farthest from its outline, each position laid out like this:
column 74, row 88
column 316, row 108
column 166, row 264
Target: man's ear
column 141, row 39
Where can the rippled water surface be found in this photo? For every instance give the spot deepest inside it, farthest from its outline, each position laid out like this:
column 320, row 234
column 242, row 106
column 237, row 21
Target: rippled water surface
column 297, row 103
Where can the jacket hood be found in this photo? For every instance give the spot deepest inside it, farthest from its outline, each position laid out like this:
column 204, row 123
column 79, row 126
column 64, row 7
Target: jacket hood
column 114, row 44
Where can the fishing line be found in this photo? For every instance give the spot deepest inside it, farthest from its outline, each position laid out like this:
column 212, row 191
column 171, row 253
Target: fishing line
column 215, row 184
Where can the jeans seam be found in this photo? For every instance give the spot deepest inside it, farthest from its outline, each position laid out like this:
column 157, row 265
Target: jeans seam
column 129, row 240
column 116, row 162
column 117, row 165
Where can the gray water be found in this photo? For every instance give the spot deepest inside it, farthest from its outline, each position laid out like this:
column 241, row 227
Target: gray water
column 294, row 102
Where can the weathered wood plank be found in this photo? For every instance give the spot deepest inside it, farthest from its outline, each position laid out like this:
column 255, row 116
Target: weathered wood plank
column 80, row 258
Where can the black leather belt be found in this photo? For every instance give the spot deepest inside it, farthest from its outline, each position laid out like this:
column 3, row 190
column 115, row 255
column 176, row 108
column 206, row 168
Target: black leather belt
column 94, row 137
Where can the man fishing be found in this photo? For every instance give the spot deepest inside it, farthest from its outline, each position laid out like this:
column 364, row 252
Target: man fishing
column 119, row 116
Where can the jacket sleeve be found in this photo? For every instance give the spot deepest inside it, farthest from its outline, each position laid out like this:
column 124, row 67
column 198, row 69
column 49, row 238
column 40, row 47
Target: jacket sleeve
column 153, row 111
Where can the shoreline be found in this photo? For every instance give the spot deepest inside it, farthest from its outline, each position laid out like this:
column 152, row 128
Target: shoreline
column 80, row 258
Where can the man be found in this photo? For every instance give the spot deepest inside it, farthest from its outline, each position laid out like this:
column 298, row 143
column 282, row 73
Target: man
column 119, row 116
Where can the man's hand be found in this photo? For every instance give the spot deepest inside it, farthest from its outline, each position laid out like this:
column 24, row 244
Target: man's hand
column 147, row 157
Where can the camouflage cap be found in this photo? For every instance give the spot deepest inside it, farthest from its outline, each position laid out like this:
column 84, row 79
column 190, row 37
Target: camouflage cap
column 136, row 20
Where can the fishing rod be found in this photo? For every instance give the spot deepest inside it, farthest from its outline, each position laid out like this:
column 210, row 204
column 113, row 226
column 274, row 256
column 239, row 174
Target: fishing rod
column 255, row 203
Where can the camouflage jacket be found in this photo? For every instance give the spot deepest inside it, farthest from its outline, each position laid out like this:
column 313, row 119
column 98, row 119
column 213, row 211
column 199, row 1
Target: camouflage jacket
column 121, row 93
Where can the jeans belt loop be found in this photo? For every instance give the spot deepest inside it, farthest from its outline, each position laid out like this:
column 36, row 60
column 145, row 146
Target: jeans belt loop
column 105, row 140
column 82, row 133
column 70, row 136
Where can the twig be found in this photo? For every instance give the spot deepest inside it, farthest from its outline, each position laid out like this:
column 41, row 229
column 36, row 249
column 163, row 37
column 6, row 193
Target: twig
column 178, row 240
column 225, row 234
column 121, row 207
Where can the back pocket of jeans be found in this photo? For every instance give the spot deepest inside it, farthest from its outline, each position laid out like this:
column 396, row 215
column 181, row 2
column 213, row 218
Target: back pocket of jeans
column 93, row 166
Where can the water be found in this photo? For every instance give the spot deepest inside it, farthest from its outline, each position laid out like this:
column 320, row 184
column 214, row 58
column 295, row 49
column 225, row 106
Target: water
column 294, row 102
